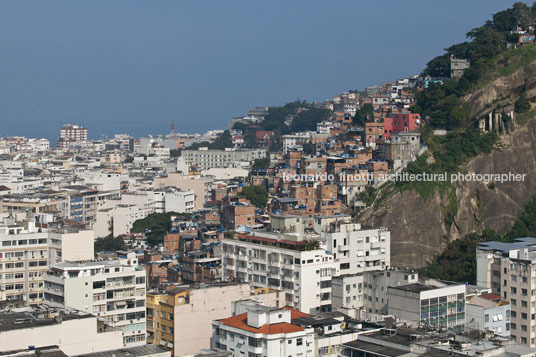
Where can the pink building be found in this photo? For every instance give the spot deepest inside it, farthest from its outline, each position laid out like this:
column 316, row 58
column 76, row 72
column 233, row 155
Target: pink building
column 401, row 122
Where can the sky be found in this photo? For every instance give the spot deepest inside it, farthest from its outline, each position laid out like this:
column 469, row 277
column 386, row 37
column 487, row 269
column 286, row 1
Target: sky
column 128, row 66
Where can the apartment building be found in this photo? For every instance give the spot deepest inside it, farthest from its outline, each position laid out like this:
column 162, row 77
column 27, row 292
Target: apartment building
column 509, row 269
column 200, row 185
column 238, row 211
column 264, row 331
column 71, row 133
column 357, row 250
column 77, row 203
column 206, row 159
column 112, row 289
column 194, row 306
column 174, row 200
column 26, row 255
column 428, row 306
column 291, row 262
column 364, row 295
column 488, row 312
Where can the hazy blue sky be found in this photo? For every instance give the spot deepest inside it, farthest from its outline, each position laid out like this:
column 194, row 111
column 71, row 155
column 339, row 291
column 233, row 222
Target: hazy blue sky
column 136, row 66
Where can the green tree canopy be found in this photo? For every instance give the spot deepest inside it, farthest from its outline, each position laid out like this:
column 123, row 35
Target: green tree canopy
column 256, row 194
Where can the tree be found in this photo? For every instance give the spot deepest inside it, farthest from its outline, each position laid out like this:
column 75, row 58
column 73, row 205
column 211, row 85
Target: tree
column 109, row 244
column 256, row 194
column 224, row 140
column 364, row 114
column 155, row 226
column 306, row 120
column 312, row 244
column 522, row 104
column 261, row 164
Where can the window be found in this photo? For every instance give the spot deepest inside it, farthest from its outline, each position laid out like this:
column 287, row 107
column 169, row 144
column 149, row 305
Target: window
column 299, row 341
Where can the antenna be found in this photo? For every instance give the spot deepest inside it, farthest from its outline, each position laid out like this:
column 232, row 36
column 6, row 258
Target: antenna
column 172, row 127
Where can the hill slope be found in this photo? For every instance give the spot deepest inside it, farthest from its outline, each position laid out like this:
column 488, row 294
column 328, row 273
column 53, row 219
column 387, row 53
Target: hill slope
column 421, row 228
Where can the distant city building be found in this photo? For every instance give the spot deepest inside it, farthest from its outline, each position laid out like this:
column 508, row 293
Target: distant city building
column 71, row 133
column 206, row 159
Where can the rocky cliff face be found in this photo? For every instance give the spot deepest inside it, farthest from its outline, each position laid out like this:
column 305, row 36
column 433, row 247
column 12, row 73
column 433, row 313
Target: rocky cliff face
column 418, row 228
column 502, row 92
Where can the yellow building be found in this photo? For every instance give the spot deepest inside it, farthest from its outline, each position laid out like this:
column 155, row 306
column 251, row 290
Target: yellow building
column 195, row 306
column 161, row 316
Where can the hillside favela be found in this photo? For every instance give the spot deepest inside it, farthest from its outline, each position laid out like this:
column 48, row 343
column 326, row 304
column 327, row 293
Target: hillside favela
column 393, row 220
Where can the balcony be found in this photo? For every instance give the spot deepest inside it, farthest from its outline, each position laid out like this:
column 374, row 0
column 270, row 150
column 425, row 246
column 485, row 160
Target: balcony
column 343, row 248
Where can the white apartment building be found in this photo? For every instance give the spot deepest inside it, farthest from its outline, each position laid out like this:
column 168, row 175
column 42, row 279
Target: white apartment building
column 200, row 185
column 282, row 261
column 73, row 132
column 117, row 220
column 509, row 269
column 364, row 295
column 264, row 331
column 206, row 159
column 357, row 250
column 38, row 145
column 294, row 141
column 112, row 289
column 173, row 200
column 428, row 306
column 26, row 255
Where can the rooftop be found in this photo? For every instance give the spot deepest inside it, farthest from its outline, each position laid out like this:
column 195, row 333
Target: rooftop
column 43, row 315
column 415, row 288
column 241, row 322
column 145, row 350
column 48, row 351
column 375, row 349
column 505, row 248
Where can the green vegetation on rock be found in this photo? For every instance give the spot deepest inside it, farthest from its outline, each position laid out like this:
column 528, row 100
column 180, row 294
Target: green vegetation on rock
column 458, row 261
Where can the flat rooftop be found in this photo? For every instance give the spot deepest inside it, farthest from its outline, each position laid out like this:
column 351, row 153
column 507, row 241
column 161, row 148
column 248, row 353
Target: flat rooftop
column 48, row 351
column 519, row 243
column 40, row 316
column 145, row 350
column 375, row 349
column 415, row 288
column 89, row 264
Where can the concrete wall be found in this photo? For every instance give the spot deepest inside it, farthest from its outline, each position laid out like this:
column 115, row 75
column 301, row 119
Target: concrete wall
column 185, row 182
column 193, row 325
column 77, row 246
